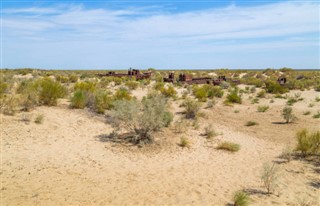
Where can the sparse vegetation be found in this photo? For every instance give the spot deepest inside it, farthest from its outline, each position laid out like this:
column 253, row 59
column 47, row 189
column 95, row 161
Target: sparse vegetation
column 262, row 108
column 317, row 115
column 229, row 146
column 269, row 177
column 308, row 143
column 184, row 142
column 241, row 198
column 192, row 108
column 234, row 97
column 286, row 154
column 251, row 123
column 209, row 132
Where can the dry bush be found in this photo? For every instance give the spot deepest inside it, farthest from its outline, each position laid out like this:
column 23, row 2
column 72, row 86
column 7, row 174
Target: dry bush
column 141, row 119
column 39, row 119
column 78, row 100
column 9, row 105
column 269, row 177
column 262, row 108
column 317, row 115
column 287, row 114
column 122, row 94
column 132, row 85
column 181, row 126
column 286, row 154
column 229, row 146
column 209, row 132
column 169, row 91
column 192, row 108
column 234, row 97
column 251, row 123
column 102, row 101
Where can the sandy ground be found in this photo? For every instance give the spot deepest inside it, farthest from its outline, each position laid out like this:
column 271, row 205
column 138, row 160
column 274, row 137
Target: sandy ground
column 65, row 160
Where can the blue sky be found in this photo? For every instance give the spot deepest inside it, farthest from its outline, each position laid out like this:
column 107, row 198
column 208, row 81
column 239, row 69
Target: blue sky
column 179, row 34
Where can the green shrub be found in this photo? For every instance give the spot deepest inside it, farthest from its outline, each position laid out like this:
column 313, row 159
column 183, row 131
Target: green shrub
column 233, row 97
column 50, row 91
column 317, row 87
column 158, row 86
column 306, row 113
column 317, row 99
column 251, row 123
column 122, row 94
column 262, row 108
column 207, row 91
column 229, row 146
column 73, row 78
column 288, row 115
column 275, row 88
column 255, row 101
column 102, row 102
column 79, row 99
column 3, row 87
column 308, row 143
column 132, row 85
column 192, row 108
column 169, row 91
column 241, row 198
column 85, row 86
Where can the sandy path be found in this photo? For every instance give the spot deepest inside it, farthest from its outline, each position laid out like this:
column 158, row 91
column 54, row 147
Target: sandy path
column 62, row 162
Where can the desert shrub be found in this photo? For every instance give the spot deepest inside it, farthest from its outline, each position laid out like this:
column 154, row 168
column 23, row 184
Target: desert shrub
column 210, row 104
column 229, row 146
column 251, row 123
column 29, row 91
column 275, row 88
column 311, row 105
column 102, row 102
column 184, row 142
column 141, row 119
column 215, row 91
column 132, row 85
column 241, row 198
column 180, row 126
column 234, row 97
column 184, row 94
column 50, row 91
column 192, row 108
column 253, row 89
column 207, row 91
column 255, row 101
column 73, row 78
column 287, row 114
column 317, row 99
column 236, row 111
column 122, row 93
column 79, row 99
column 291, row 101
column 200, row 93
column 286, row 154
column 308, row 143
column 317, row 115
column 39, row 119
column 209, row 132
column 317, row 87
column 85, row 86
column 261, row 94
column 158, row 86
column 269, row 177
column 169, row 91
column 252, row 81
column 3, row 87
column 9, row 105
column 62, row 79
column 262, row 108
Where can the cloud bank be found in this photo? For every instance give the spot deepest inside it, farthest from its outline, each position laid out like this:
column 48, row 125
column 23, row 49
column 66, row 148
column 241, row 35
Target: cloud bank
column 77, row 37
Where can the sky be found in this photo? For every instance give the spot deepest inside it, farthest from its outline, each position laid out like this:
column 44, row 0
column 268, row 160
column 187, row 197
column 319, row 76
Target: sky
column 162, row 34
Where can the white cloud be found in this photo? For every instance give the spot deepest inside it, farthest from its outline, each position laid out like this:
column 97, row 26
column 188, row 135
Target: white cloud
column 146, row 31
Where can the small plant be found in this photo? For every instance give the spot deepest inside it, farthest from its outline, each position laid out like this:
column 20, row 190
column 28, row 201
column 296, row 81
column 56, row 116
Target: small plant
column 169, row 91
column 251, row 123
column 306, row 113
column 255, row 101
column 209, row 132
column 79, row 100
column 288, row 115
column 236, row 111
column 184, row 142
column 229, row 146
column 311, row 105
column 291, row 101
column 233, row 97
column 317, row 115
column 261, row 94
column 39, row 119
column 241, row 198
column 262, row 108
column 192, row 108
column 286, row 154
column 272, row 101
column 122, row 94
column 269, row 177
column 317, row 99
column 180, row 126
column 132, row 85
column 253, row 89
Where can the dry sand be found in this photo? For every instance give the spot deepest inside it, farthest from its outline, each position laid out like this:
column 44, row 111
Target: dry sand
column 64, row 160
